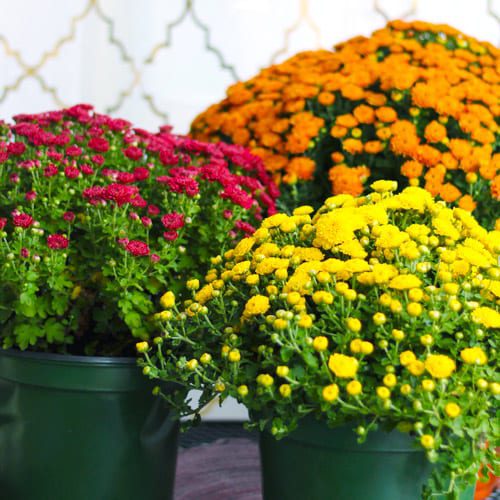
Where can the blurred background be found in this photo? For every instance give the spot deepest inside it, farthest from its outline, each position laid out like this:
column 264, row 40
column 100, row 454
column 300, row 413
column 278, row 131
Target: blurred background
column 158, row 62
column 163, row 61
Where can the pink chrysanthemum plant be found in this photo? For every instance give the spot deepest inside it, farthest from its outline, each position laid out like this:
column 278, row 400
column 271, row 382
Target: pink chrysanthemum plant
column 380, row 311
column 96, row 217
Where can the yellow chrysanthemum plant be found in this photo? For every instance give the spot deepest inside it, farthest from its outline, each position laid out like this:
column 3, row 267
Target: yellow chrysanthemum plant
column 380, row 311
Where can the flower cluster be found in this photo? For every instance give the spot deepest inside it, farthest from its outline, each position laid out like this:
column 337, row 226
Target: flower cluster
column 377, row 311
column 96, row 217
column 415, row 102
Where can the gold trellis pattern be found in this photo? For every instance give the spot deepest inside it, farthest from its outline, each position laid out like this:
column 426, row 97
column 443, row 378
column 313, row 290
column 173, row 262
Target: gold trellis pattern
column 137, row 66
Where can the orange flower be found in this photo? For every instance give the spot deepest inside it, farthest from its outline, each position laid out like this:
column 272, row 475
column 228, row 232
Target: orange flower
column 435, row 132
column 353, row 146
column 352, row 92
column 386, row 114
column 337, row 157
column 338, row 132
column 373, row 147
column 326, row 98
column 364, row 114
column 467, row 203
column 347, row 121
column 302, row 168
column 449, row 192
column 495, row 187
column 411, row 169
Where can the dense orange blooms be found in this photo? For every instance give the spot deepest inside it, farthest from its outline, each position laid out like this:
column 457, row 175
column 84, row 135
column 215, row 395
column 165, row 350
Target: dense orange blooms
column 415, row 102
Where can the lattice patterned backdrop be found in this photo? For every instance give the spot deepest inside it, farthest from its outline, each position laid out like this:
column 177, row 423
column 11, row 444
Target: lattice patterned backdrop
column 159, row 61
column 163, row 61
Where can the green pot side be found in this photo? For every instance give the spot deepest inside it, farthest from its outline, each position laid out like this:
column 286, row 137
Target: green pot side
column 76, row 428
column 318, row 463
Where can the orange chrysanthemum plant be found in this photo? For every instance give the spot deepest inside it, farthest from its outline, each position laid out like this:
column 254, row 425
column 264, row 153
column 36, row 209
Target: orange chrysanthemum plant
column 415, row 102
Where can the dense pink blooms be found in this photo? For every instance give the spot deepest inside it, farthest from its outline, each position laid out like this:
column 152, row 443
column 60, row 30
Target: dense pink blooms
column 16, row 148
column 22, row 220
column 171, row 235
column 99, row 144
column 30, row 196
column 57, row 242
column 71, row 172
column 173, row 220
column 50, row 170
column 24, row 253
column 244, row 226
column 133, row 152
column 74, row 150
column 137, row 248
column 3, row 222
column 69, row 216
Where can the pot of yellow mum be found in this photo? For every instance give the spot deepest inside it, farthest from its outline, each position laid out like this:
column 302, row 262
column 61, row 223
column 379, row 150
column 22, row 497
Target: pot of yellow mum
column 362, row 338
column 414, row 102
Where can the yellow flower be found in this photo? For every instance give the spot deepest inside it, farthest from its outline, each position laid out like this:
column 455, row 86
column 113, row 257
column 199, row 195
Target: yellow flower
column 405, row 282
column 427, row 441
column 243, row 247
column 242, row 267
column 265, row 380
column 320, row 343
column 234, row 356
column 487, row 317
column 252, row 279
column 305, row 321
column 271, row 264
column 192, row 364
column 205, row 294
column 303, row 210
column 167, row 300
column 205, row 358
column 330, row 392
column 407, row 357
column 353, row 324
column 390, row 380
column 383, row 392
column 343, row 366
column 379, row 318
column 274, row 221
column 258, row 304
column 414, row 309
column 405, row 389
column 416, row 367
column 428, row 385
column 384, row 186
column 474, row 356
column 285, row 390
column 452, row 410
column 142, row 346
column 282, row 371
column 354, row 388
column 366, row 347
column 439, row 365
column 193, row 284
column 242, row 390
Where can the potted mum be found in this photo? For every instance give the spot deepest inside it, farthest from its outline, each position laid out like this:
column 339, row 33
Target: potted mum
column 415, row 102
column 363, row 337
column 96, row 218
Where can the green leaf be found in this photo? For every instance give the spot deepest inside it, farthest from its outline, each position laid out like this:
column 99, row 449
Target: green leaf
column 54, row 331
column 27, row 334
column 133, row 319
column 286, row 354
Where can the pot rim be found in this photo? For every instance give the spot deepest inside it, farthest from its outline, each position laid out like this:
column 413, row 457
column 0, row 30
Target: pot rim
column 70, row 358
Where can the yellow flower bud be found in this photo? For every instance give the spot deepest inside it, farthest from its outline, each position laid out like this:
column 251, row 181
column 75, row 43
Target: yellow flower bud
column 193, row 284
column 416, row 294
column 205, row 358
column 281, row 274
column 385, row 300
column 379, row 318
column 397, row 335
column 234, row 356
column 383, row 392
column 428, row 385
column 366, row 347
column 354, row 388
column 330, row 392
column 285, row 390
column 396, row 306
column 405, row 389
column 305, row 321
column 265, row 380
column 320, row 343
column 142, row 346
column 282, row 371
column 293, row 298
column 414, row 309
column 353, row 324
column 252, row 279
column 427, row 441
column 242, row 390
column 452, row 410
column 427, row 340
column 167, row 300
column 192, row 364
column 390, row 380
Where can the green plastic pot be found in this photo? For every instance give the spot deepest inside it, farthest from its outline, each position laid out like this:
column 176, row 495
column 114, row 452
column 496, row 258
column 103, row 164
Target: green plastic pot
column 82, row 428
column 318, row 463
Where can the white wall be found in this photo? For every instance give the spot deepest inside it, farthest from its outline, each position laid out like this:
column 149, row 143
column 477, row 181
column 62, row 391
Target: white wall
column 159, row 61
